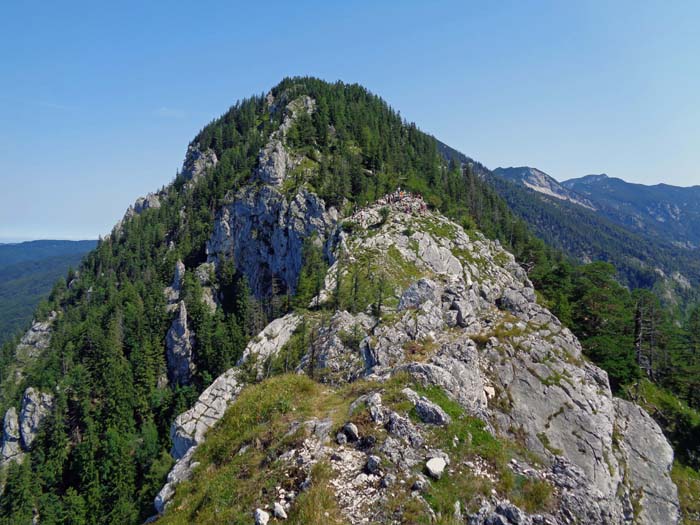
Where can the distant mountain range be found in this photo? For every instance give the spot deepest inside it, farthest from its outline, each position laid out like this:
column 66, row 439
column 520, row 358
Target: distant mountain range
column 584, row 225
column 28, row 270
column 541, row 182
column 670, row 214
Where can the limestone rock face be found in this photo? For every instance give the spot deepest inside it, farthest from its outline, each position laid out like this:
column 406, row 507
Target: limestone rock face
column 35, row 407
column 262, row 228
column 37, row 338
column 274, row 161
column 189, row 428
column 471, row 325
column 644, row 454
column 197, row 162
column 459, row 314
column 11, row 448
column 263, row 231
column 33, row 344
column 269, row 341
column 180, row 343
column 172, row 292
column 182, row 471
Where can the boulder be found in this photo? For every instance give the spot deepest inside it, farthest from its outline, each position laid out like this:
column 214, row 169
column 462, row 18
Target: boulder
column 278, row 511
column 261, row 517
column 431, row 413
column 373, row 464
column 350, row 430
column 418, row 293
column 435, row 467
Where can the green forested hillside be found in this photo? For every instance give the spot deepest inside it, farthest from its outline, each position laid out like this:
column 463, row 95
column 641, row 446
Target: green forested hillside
column 103, row 453
column 28, row 271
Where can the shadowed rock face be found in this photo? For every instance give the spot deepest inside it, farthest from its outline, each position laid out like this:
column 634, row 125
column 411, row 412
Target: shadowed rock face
column 263, row 228
column 264, row 232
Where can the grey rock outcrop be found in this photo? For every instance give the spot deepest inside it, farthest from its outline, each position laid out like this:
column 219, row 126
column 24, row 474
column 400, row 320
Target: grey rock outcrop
column 197, row 162
column 182, row 471
column 510, row 362
column 36, row 339
column 11, row 447
column 35, row 407
column 275, row 161
column 172, row 292
column 262, row 229
column 179, row 344
column 460, row 315
column 269, row 342
column 150, row 201
column 418, row 293
column 644, row 453
column 18, row 433
column 189, row 428
column 263, row 232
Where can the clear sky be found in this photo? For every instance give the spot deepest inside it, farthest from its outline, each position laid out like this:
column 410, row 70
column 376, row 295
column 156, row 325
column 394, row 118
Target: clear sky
column 98, row 100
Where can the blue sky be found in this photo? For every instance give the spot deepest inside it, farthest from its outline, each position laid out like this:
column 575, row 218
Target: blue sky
column 98, row 100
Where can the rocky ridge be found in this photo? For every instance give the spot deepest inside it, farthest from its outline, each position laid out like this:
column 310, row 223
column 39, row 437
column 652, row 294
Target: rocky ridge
column 196, row 164
column 263, row 227
column 459, row 315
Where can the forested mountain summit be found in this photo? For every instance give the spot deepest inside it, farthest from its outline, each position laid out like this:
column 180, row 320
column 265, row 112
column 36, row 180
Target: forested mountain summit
column 319, row 280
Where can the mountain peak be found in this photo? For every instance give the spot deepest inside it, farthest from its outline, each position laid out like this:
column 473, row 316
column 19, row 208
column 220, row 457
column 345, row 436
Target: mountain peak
column 541, row 182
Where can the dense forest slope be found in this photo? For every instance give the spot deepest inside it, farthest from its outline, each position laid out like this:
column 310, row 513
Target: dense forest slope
column 28, row 271
column 285, row 246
